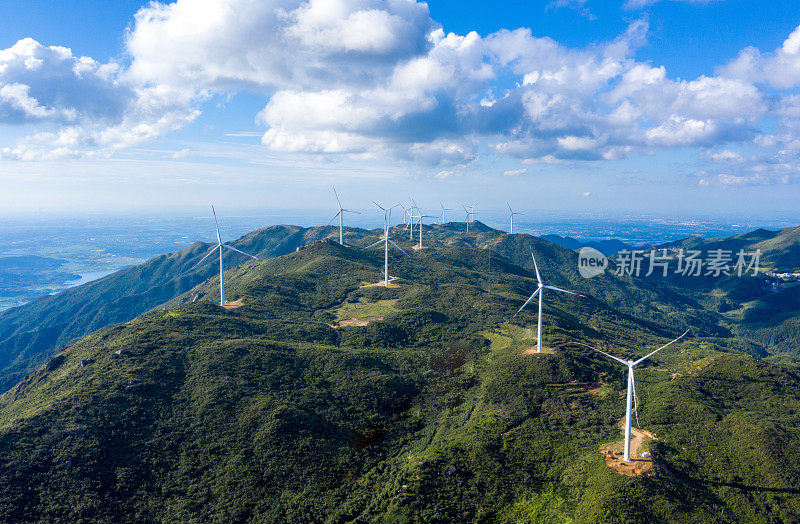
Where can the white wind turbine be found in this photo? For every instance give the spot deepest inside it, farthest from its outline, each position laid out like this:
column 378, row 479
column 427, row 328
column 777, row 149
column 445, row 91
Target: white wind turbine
column 340, row 214
column 511, row 214
column 631, row 389
column 540, row 291
column 387, row 214
column 219, row 246
column 421, row 216
column 467, row 217
column 443, row 210
column 406, row 215
column 411, row 217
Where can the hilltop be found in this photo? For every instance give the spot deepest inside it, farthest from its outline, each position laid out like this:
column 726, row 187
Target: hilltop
column 434, row 410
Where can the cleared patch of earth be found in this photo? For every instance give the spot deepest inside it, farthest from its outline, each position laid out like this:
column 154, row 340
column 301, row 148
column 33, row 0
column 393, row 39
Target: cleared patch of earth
column 355, row 322
column 233, row 304
column 638, row 466
column 532, row 350
column 392, row 283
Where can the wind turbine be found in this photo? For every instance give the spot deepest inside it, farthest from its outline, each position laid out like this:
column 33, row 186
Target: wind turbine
column 632, row 389
column 411, row 218
column 511, row 214
column 421, row 216
column 406, row 215
column 340, row 214
column 466, row 218
column 443, row 210
column 540, row 291
column 219, row 246
column 387, row 214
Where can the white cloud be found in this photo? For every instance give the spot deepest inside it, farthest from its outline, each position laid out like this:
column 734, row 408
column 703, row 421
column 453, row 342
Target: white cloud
column 83, row 106
column 381, row 79
column 639, row 4
column 780, row 68
column 515, row 172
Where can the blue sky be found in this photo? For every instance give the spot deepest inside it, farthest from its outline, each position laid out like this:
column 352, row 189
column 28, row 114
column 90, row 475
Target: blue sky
column 667, row 107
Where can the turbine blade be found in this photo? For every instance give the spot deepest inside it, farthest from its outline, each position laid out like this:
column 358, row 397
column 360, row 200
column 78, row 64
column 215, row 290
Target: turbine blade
column 240, row 251
column 659, row 349
column 554, row 288
column 334, row 218
column 536, row 267
column 205, row 257
column 219, row 240
column 603, row 352
column 372, row 245
column 398, row 247
column 337, row 198
column 526, row 302
column 380, row 206
column 509, row 208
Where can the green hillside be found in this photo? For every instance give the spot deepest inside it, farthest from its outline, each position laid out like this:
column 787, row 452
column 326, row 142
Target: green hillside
column 716, row 307
column 29, row 334
column 435, row 410
column 780, row 249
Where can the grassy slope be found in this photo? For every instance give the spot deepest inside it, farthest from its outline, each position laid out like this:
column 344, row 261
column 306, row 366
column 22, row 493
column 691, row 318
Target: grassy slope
column 433, row 414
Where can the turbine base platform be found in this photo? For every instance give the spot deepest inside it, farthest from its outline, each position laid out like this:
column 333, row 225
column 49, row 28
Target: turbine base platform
column 638, row 465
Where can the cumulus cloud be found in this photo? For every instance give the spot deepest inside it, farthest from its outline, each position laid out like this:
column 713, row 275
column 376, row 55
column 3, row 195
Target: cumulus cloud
column 83, row 106
column 779, row 68
column 381, row 79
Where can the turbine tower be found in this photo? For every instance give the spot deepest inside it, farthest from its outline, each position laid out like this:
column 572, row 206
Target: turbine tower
column 540, row 291
column 511, row 214
column 340, row 214
column 632, row 389
column 387, row 214
column 219, row 246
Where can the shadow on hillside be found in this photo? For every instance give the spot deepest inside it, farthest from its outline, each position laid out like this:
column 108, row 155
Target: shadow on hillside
column 697, row 482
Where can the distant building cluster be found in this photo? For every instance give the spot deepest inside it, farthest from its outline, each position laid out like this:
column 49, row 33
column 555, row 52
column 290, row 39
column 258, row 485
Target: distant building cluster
column 787, row 276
